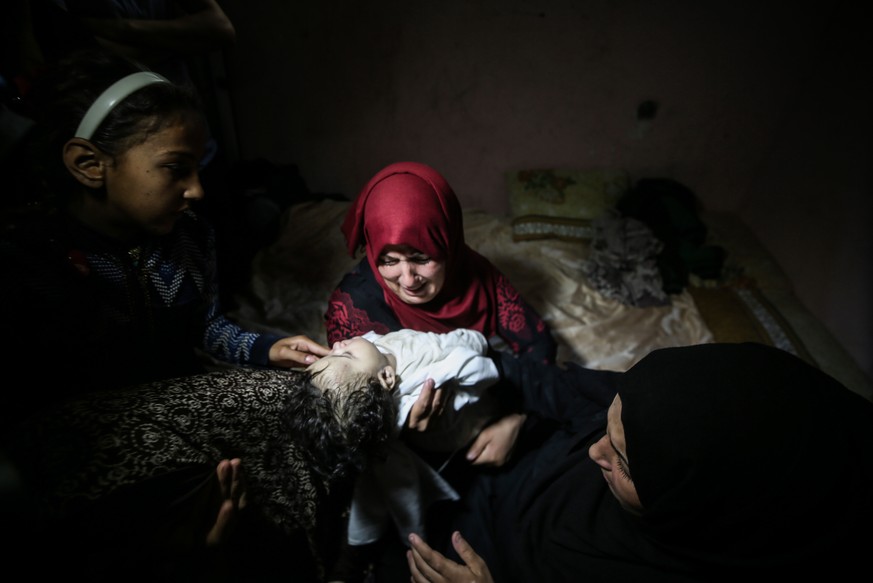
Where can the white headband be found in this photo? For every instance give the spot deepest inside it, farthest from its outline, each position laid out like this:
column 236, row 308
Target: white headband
column 116, row 93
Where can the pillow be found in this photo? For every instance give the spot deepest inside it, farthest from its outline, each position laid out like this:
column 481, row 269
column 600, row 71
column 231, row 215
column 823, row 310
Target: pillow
column 561, row 204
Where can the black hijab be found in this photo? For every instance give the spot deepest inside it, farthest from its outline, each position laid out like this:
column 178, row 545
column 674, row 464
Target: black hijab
column 748, row 459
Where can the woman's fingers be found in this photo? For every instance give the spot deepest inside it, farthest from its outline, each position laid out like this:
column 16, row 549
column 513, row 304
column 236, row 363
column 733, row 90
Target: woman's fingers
column 426, row 564
column 473, row 561
column 424, row 406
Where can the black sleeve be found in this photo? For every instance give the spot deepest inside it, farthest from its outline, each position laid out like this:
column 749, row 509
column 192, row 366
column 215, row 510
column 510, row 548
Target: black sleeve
column 556, row 393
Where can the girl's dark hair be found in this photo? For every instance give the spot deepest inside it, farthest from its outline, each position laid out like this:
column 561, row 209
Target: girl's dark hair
column 61, row 96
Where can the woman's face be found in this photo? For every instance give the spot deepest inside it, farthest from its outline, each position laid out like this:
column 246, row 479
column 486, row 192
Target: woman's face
column 610, row 453
column 150, row 185
column 413, row 276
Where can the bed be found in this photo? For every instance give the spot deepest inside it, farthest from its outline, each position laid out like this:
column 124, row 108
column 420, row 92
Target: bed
column 751, row 300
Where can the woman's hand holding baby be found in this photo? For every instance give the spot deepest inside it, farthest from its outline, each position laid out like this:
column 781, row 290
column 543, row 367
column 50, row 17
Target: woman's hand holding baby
column 430, row 403
column 495, row 443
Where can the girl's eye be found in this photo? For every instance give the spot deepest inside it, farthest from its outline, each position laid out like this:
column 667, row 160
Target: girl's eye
column 389, row 261
column 420, row 259
column 179, row 170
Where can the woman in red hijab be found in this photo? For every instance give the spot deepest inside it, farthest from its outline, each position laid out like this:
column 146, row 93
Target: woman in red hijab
column 419, row 273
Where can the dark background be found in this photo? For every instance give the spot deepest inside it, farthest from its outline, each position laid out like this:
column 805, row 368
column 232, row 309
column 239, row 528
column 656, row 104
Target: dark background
column 763, row 110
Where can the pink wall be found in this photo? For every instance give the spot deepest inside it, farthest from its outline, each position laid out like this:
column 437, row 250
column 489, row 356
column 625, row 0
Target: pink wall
column 761, row 110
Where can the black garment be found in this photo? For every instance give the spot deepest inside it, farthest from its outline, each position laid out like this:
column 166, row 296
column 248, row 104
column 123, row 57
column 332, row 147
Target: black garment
column 670, row 209
column 566, row 408
column 747, row 461
column 767, row 460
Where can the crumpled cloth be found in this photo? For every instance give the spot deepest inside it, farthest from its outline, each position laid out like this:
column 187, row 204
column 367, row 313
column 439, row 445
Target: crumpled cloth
column 413, row 487
column 623, row 262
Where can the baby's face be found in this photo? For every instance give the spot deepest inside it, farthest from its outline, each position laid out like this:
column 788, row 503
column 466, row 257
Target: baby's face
column 355, row 356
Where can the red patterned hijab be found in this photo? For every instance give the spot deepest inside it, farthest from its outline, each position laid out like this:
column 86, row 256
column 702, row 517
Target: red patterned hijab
column 408, row 203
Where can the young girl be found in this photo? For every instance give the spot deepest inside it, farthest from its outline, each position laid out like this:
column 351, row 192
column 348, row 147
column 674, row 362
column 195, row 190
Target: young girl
column 114, row 280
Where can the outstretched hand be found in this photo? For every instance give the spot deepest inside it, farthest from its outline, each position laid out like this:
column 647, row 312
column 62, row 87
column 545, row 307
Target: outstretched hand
column 426, row 564
column 429, row 404
column 233, row 499
column 296, row 351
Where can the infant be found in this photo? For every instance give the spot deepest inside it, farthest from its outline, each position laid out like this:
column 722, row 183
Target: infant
column 401, row 361
column 401, row 486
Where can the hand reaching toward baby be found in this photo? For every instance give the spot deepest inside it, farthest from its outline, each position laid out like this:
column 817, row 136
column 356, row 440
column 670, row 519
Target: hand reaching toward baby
column 296, row 351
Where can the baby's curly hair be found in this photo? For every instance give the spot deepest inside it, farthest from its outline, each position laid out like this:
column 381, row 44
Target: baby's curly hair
column 338, row 429
column 338, row 380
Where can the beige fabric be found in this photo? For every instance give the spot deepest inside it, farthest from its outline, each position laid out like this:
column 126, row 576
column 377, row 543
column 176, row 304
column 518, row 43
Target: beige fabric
column 590, row 329
column 293, row 278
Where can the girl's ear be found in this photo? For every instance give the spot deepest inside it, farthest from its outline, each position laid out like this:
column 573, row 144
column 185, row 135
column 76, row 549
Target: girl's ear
column 387, row 378
column 85, row 162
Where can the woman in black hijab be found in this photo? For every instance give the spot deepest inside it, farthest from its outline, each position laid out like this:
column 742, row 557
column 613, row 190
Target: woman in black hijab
column 719, row 461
